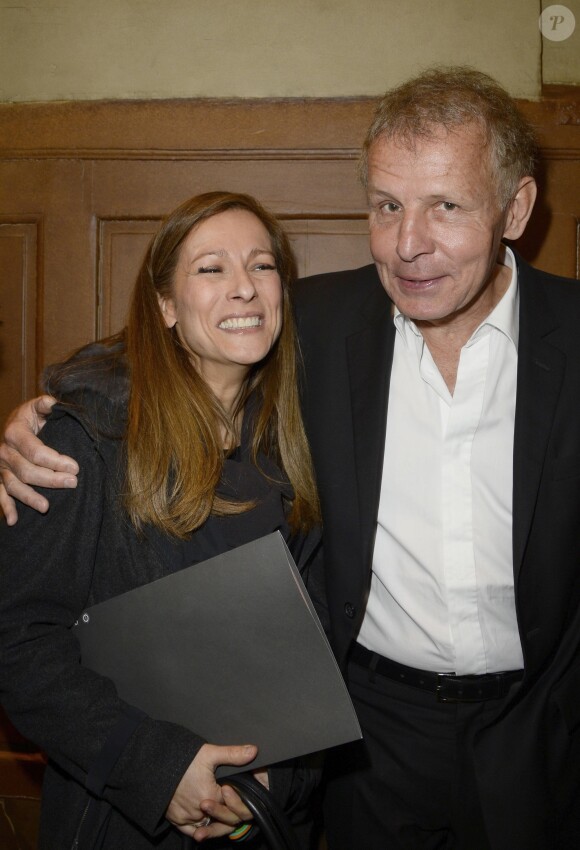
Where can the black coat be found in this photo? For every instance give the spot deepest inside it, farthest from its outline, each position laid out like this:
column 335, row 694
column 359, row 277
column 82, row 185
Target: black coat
column 528, row 760
column 54, row 566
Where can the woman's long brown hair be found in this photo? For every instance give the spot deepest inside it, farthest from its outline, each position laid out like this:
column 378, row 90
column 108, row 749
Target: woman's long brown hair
column 175, row 423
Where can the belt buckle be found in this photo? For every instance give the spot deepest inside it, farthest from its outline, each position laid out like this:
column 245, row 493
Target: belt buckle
column 439, row 690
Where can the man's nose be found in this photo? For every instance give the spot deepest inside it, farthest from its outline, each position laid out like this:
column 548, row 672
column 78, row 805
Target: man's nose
column 414, row 236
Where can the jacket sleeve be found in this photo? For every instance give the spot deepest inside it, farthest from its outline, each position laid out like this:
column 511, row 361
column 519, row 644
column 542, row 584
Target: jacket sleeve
column 308, row 553
column 47, row 566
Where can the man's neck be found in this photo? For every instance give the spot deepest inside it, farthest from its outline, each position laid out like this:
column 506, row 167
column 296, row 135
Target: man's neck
column 446, row 338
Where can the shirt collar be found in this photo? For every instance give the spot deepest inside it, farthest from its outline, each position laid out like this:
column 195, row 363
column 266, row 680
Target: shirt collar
column 504, row 317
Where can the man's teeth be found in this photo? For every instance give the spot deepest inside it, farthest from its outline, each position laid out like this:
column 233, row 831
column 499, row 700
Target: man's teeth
column 236, row 324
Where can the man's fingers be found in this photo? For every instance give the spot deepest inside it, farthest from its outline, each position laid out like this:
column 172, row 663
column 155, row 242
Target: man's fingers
column 42, row 405
column 43, row 456
column 31, row 452
column 8, row 506
column 53, row 471
column 23, row 493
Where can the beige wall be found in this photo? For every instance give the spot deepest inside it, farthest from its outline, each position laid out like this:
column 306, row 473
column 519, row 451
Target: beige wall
column 84, row 49
column 561, row 59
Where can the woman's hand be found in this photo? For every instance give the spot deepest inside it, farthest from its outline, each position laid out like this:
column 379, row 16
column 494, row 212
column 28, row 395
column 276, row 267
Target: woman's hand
column 262, row 777
column 25, row 460
column 198, row 795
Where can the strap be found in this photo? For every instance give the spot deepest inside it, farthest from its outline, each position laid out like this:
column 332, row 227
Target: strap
column 268, row 814
column 104, row 763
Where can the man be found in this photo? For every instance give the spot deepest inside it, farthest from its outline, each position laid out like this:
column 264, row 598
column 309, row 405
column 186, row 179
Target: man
column 441, row 405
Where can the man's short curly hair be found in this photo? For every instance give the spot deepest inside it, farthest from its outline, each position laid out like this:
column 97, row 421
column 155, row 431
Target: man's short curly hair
column 452, row 97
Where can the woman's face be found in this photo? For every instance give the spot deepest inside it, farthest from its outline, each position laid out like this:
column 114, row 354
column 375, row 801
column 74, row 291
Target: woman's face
column 226, row 302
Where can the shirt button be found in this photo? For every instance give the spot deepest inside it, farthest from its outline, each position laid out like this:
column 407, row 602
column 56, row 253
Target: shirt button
column 349, row 610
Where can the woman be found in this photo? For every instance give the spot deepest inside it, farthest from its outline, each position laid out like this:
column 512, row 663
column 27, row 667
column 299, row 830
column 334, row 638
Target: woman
column 190, row 441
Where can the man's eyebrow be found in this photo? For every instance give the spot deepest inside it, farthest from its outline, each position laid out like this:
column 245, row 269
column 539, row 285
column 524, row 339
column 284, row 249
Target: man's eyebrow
column 379, row 193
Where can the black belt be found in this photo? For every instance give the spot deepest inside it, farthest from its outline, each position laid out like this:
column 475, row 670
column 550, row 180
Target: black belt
column 446, row 686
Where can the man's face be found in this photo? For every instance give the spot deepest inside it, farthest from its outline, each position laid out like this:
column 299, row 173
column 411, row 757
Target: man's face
column 435, row 225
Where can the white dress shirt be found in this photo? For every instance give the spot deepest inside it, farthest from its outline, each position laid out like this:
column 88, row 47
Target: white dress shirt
column 442, row 590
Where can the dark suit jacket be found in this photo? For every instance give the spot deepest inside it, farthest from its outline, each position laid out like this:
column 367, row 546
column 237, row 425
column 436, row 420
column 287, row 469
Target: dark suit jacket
column 528, row 760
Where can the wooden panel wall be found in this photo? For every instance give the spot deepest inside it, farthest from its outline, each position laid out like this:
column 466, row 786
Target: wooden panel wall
column 84, row 185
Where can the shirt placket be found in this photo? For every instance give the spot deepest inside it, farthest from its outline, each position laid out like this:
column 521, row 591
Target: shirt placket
column 460, row 417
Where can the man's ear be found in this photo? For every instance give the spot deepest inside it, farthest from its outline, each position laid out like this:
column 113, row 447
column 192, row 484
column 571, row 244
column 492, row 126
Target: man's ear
column 520, row 208
column 167, row 307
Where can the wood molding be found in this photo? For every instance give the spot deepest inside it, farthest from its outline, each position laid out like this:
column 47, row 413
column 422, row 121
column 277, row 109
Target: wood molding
column 278, row 129
column 237, row 129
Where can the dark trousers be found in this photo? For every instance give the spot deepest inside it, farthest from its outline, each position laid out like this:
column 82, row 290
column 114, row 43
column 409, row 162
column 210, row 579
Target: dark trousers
column 410, row 784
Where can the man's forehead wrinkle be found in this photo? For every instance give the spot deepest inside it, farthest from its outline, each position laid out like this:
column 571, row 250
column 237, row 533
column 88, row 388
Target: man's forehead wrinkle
column 408, row 135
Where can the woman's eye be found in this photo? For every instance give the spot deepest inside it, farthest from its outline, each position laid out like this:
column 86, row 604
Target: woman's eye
column 265, row 267
column 209, row 270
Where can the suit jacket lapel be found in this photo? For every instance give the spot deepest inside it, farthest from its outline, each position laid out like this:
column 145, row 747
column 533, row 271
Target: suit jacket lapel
column 541, row 367
column 370, row 354
column 541, row 364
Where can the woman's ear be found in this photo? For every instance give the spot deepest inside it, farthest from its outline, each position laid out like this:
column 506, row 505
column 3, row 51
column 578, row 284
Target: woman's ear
column 167, row 307
column 520, row 208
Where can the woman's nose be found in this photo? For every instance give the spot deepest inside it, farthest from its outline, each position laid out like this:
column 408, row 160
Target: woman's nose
column 243, row 285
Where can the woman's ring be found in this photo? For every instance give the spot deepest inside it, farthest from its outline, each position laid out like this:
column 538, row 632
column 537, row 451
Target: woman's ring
column 203, row 822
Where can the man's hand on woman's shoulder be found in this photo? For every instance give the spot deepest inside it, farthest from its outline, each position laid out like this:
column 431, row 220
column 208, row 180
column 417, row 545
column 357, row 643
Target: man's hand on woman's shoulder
column 25, row 462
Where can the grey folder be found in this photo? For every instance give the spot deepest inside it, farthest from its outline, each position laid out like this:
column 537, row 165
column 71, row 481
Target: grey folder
column 230, row 648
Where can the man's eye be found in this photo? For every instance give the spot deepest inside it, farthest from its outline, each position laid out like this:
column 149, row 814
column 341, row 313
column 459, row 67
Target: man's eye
column 390, row 207
column 448, row 206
